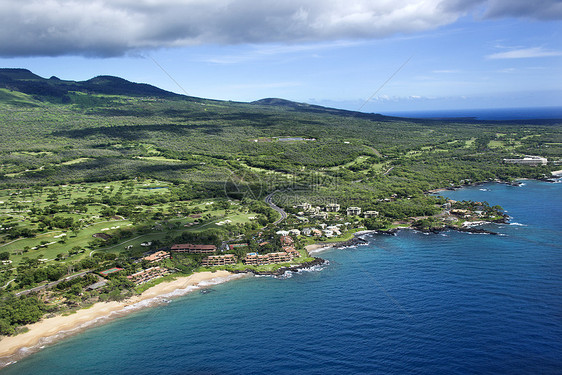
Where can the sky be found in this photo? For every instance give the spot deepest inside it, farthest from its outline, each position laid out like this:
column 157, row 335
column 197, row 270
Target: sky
column 378, row 56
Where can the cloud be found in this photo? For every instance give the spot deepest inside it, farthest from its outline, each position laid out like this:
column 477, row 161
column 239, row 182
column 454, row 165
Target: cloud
column 112, row 28
column 115, row 27
column 525, row 53
column 533, row 9
column 536, row 9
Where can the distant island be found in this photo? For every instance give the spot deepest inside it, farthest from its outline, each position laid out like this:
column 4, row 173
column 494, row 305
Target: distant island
column 114, row 192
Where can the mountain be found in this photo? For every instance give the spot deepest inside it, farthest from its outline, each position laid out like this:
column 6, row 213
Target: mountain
column 305, row 107
column 57, row 90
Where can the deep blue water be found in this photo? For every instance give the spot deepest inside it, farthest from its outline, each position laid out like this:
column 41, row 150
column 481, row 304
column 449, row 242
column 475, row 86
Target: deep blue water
column 456, row 303
column 486, row 113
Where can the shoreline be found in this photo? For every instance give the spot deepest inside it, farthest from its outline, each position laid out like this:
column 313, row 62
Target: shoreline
column 51, row 330
column 318, row 247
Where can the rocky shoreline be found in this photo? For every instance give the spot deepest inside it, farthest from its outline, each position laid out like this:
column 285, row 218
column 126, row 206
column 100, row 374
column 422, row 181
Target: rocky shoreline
column 458, row 229
column 281, row 271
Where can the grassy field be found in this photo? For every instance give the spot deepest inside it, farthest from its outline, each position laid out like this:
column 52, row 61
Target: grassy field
column 16, row 206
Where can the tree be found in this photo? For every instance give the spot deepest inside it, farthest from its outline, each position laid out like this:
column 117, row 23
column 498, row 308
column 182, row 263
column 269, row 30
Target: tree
column 4, row 255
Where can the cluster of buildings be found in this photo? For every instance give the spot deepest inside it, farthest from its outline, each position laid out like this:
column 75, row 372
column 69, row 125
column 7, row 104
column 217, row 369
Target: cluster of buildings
column 218, row 260
column 528, row 160
column 148, row 274
column 325, row 230
column 157, row 256
column 288, row 254
column 319, row 213
column 256, row 259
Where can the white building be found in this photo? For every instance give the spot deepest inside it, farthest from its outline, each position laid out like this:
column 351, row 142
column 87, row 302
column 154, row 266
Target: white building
column 528, row 160
column 369, row 214
column 332, row 207
column 353, row 211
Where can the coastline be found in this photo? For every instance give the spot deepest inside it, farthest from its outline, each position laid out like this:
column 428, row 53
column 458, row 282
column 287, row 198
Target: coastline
column 356, row 240
column 51, row 330
column 54, row 329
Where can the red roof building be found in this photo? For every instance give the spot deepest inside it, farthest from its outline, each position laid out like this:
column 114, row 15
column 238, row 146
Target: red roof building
column 194, row 249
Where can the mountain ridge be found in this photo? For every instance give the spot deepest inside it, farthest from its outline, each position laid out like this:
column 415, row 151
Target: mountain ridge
column 57, row 90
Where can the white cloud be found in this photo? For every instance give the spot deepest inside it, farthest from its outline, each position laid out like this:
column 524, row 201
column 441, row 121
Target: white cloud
column 116, row 27
column 112, row 28
column 524, row 53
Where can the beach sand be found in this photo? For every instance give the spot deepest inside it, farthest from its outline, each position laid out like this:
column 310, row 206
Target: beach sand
column 47, row 328
column 318, row 247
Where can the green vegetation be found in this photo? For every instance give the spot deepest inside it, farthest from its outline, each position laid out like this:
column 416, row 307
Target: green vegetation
column 97, row 174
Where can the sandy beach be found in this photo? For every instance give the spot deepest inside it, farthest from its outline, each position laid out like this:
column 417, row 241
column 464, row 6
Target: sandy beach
column 318, row 247
column 52, row 329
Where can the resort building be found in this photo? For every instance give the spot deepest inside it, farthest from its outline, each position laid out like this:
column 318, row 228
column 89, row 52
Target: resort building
column 157, row 256
column 369, row 214
column 147, row 274
column 353, row 211
column 304, row 206
column 293, row 253
column 295, row 232
column 255, row 259
column 278, row 257
column 528, row 160
column 218, row 260
column 286, row 240
column 332, row 207
column 194, row 249
column 306, row 231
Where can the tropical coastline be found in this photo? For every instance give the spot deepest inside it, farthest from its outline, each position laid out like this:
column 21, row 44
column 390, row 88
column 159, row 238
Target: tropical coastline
column 53, row 329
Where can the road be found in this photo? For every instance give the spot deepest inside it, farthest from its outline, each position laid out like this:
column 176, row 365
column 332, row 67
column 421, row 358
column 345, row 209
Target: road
column 269, row 201
column 387, row 172
column 50, row 285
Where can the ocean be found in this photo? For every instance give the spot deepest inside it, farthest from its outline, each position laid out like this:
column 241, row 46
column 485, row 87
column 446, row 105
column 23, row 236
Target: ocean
column 450, row 303
column 494, row 114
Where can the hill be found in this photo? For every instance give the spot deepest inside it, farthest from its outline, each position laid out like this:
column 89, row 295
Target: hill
column 57, row 90
column 108, row 128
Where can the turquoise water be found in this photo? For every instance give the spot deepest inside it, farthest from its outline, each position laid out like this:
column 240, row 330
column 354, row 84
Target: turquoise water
column 452, row 303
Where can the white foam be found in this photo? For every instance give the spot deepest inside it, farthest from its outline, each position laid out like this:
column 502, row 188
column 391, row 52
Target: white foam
column 45, row 341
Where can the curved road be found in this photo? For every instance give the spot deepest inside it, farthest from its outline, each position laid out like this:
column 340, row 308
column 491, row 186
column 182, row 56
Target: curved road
column 269, row 201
